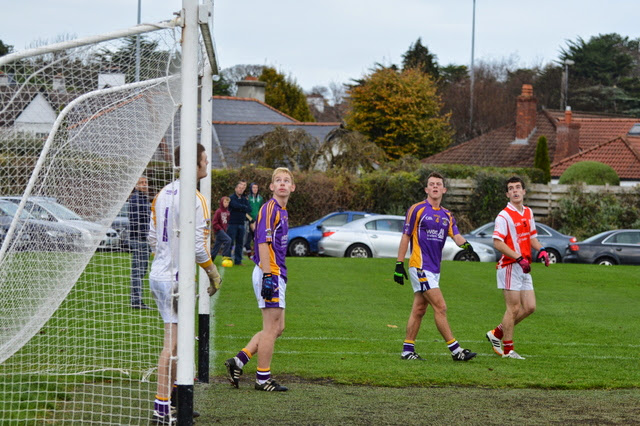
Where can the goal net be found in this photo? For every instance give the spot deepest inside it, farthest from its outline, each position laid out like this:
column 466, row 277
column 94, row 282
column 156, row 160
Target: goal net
column 78, row 127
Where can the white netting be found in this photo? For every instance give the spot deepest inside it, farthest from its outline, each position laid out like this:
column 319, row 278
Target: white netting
column 76, row 132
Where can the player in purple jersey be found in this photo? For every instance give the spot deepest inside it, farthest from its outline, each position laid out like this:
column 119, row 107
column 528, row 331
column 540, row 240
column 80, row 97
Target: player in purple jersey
column 269, row 283
column 426, row 227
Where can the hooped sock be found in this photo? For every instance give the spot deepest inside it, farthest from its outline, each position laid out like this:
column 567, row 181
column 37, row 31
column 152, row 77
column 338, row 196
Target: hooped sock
column 263, row 374
column 454, row 346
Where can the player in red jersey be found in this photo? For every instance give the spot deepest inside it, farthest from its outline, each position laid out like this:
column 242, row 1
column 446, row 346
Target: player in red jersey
column 514, row 235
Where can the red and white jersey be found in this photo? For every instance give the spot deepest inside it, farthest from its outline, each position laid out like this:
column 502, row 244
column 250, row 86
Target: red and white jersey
column 164, row 236
column 516, row 230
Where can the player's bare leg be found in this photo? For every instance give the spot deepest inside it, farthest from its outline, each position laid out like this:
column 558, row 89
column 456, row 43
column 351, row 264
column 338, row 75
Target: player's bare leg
column 435, row 298
column 514, row 310
column 418, row 309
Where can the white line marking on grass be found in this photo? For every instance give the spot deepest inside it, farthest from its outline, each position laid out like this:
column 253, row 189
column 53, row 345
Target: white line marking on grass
column 355, row 339
column 442, row 354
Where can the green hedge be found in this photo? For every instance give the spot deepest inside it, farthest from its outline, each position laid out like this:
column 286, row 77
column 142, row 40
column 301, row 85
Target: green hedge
column 381, row 191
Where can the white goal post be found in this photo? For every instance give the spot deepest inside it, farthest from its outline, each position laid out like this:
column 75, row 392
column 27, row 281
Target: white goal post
column 72, row 347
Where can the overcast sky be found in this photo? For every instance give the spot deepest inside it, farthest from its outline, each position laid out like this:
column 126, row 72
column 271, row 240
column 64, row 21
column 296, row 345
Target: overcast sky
column 319, row 42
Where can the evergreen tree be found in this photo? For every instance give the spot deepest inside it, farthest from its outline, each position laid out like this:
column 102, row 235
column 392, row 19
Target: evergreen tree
column 419, row 57
column 541, row 160
column 285, row 95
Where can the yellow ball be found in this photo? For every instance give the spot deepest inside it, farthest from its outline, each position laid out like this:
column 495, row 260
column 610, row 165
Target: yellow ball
column 227, row 263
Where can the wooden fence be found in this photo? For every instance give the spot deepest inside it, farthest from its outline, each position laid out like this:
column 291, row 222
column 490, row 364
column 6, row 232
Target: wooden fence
column 541, row 198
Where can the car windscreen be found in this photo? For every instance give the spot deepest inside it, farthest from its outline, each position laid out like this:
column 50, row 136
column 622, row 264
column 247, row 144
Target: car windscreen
column 595, row 237
column 59, row 211
column 9, row 209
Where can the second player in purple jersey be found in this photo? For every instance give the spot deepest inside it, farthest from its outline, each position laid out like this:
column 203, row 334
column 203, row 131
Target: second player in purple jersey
column 428, row 228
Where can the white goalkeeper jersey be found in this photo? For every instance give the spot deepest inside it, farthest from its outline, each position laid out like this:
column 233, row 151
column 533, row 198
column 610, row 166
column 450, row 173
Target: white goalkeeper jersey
column 164, row 236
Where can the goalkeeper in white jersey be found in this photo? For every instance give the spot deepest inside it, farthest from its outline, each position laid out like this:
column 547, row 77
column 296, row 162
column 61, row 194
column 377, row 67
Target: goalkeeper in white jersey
column 163, row 277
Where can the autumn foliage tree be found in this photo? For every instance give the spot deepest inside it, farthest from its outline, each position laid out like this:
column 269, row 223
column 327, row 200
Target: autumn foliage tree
column 400, row 112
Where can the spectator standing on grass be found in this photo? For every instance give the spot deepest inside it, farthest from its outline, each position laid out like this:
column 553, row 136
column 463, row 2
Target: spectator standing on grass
column 426, row 228
column 269, row 283
column 219, row 224
column 163, row 279
column 139, row 213
column 239, row 207
column 514, row 235
column 255, row 201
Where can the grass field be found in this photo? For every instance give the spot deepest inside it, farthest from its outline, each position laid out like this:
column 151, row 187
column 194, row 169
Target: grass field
column 340, row 352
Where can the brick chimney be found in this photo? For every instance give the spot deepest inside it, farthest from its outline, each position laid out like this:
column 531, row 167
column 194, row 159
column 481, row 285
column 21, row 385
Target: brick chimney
column 567, row 137
column 252, row 88
column 525, row 113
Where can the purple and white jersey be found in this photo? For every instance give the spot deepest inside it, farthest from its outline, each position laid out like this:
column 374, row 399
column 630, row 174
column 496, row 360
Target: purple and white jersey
column 428, row 229
column 272, row 226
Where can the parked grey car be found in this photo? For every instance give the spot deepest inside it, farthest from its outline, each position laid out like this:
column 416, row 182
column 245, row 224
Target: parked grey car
column 618, row 247
column 32, row 234
column 379, row 236
column 45, row 208
column 555, row 242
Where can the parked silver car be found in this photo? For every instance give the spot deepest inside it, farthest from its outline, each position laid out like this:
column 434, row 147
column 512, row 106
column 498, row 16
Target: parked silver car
column 379, row 236
column 45, row 208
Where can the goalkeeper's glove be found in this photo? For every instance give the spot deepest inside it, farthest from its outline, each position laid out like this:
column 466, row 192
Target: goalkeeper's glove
column 267, row 286
column 524, row 263
column 467, row 247
column 544, row 256
column 214, row 281
column 400, row 273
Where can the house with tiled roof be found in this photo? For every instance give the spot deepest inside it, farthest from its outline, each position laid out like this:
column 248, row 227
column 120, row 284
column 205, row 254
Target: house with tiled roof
column 571, row 137
column 236, row 119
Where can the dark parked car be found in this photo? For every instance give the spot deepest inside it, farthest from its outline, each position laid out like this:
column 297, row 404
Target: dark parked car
column 303, row 240
column 555, row 242
column 121, row 225
column 619, row 247
column 32, row 234
column 47, row 209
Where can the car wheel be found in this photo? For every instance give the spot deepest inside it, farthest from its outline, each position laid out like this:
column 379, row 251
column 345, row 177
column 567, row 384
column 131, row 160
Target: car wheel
column 466, row 256
column 299, row 248
column 554, row 256
column 358, row 250
column 605, row 260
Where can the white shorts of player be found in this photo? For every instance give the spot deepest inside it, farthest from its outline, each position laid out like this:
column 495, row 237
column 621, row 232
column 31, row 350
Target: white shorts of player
column 511, row 277
column 422, row 280
column 279, row 290
column 162, row 292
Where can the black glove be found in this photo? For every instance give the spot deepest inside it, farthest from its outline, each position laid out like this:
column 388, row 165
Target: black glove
column 400, row 272
column 467, row 247
column 267, row 286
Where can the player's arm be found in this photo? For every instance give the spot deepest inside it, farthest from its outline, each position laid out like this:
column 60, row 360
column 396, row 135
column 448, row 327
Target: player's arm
column 462, row 242
column 400, row 273
column 503, row 248
column 265, row 264
column 542, row 252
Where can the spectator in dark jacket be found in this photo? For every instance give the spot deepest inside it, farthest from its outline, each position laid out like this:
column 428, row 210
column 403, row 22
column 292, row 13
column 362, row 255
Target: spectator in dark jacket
column 238, row 207
column 139, row 217
column 219, row 223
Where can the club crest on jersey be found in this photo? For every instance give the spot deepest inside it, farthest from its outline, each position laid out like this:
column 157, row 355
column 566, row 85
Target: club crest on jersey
column 269, row 233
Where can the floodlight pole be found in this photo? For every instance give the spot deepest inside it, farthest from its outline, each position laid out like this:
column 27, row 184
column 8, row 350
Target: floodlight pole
column 471, row 83
column 186, row 263
column 138, row 43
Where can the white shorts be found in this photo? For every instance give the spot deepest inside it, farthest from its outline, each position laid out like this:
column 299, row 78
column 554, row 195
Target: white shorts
column 279, row 290
column 162, row 292
column 511, row 277
column 422, row 280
